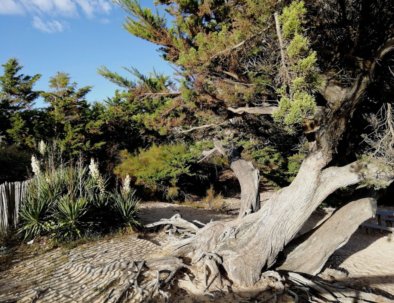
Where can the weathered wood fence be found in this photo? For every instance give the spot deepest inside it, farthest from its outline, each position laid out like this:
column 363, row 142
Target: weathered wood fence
column 11, row 196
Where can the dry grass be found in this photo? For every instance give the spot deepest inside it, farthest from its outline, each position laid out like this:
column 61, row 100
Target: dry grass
column 213, row 200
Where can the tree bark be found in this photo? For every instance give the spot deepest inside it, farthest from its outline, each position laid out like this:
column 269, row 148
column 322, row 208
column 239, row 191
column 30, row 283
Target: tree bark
column 248, row 177
column 252, row 243
column 333, row 234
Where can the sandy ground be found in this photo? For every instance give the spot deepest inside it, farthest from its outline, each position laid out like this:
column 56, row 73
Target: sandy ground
column 368, row 259
column 80, row 274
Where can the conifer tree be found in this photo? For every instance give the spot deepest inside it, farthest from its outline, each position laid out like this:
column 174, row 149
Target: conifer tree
column 321, row 70
column 70, row 114
column 16, row 95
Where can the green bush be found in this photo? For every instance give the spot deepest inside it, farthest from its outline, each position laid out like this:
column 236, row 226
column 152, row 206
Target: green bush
column 71, row 201
column 14, row 164
column 125, row 204
column 159, row 167
column 69, row 217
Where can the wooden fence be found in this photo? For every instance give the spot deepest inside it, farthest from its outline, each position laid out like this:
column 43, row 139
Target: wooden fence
column 11, row 196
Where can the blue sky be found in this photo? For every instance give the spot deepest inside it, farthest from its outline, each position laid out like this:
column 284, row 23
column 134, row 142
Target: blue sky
column 76, row 37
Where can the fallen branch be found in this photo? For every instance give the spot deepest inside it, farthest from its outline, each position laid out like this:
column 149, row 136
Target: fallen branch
column 176, row 221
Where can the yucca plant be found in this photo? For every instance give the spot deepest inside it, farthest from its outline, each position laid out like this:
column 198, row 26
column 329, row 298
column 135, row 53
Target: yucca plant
column 68, row 217
column 68, row 201
column 125, row 204
column 35, row 211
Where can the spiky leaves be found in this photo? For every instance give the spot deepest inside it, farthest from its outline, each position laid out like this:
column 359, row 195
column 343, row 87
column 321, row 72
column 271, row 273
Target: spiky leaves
column 125, row 204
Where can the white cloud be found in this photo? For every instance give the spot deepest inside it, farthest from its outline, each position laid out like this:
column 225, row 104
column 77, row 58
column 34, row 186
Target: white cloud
column 49, row 14
column 10, row 7
column 86, row 6
column 50, row 26
column 65, row 7
column 90, row 7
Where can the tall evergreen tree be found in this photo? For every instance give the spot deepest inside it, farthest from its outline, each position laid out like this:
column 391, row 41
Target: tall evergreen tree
column 69, row 111
column 16, row 95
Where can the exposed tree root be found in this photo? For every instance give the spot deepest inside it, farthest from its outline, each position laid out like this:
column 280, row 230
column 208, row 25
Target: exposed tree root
column 207, row 277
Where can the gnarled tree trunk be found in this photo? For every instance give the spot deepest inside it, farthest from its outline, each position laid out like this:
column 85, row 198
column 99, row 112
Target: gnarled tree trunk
column 250, row 244
column 248, row 177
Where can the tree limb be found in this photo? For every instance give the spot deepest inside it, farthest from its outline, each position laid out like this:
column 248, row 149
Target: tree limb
column 253, row 110
column 333, row 234
column 281, row 47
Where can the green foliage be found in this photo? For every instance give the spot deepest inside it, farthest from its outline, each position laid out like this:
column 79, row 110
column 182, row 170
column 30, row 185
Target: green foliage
column 297, row 101
column 199, row 34
column 116, row 78
column 18, row 131
column 16, row 89
column 149, row 106
column 147, row 19
column 77, row 126
column 276, row 168
column 294, row 163
column 293, row 112
column 68, row 217
column 34, row 211
column 16, row 95
column 293, row 18
column 158, row 168
column 126, row 205
column 71, row 201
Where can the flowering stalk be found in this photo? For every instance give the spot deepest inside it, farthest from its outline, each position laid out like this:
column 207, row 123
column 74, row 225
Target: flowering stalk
column 95, row 173
column 35, row 166
column 42, row 147
column 126, row 186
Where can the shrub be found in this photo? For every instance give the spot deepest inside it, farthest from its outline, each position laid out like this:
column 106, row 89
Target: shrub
column 71, row 201
column 68, row 217
column 159, row 167
column 35, row 210
column 126, row 205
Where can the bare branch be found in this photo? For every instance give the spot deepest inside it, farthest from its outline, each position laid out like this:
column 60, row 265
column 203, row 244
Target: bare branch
column 218, row 149
column 282, row 53
column 253, row 110
column 381, row 139
column 201, row 127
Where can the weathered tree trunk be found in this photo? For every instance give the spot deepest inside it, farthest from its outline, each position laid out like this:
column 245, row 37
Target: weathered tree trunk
column 252, row 243
column 248, row 177
column 333, row 234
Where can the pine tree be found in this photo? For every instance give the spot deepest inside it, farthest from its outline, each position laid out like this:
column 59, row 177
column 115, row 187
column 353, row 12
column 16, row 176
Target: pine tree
column 16, row 95
column 69, row 111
